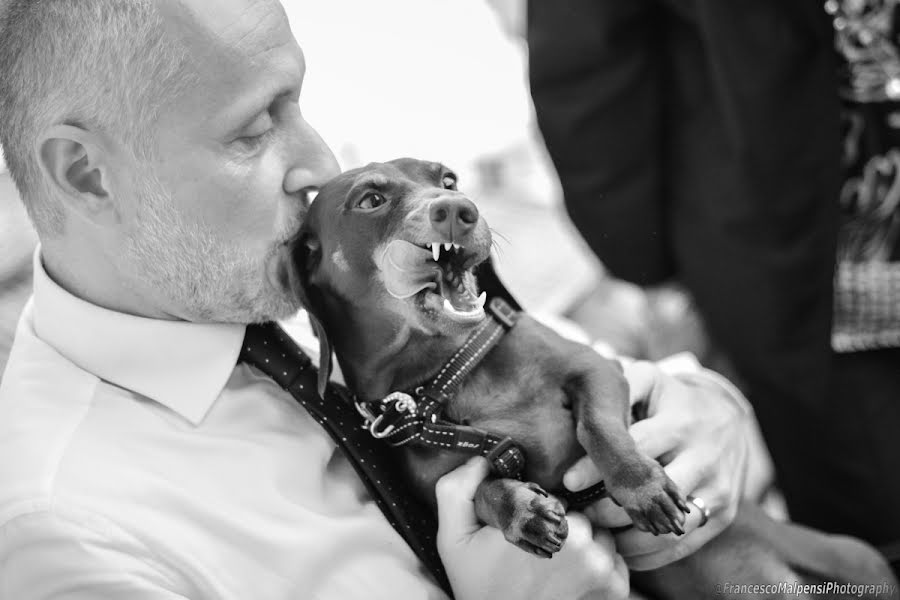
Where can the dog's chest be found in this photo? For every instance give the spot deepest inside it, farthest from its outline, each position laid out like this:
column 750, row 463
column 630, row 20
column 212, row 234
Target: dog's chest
column 518, row 391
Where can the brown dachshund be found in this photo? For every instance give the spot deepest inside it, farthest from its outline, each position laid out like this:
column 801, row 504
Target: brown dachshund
column 385, row 262
column 385, row 265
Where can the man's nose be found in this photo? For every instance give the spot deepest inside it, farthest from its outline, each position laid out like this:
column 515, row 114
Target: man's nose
column 314, row 175
column 453, row 217
column 313, row 167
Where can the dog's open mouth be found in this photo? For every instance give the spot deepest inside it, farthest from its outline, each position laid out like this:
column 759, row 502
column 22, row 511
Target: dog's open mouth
column 440, row 274
column 456, row 289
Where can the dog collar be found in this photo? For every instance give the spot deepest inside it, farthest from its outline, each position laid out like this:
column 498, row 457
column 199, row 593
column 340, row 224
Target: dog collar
column 416, row 417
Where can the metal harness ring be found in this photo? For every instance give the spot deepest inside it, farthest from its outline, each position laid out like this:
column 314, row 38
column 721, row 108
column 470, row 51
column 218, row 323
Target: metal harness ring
column 400, row 403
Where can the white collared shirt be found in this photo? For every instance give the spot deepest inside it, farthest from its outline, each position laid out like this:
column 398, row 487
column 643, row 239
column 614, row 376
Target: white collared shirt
column 138, row 462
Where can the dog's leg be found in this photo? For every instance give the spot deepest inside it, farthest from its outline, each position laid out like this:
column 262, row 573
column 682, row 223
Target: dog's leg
column 528, row 516
column 599, row 397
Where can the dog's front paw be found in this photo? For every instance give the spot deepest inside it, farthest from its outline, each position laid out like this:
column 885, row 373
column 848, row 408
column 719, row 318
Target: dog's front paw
column 654, row 503
column 538, row 523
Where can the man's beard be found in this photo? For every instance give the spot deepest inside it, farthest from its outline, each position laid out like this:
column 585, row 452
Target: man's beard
column 201, row 276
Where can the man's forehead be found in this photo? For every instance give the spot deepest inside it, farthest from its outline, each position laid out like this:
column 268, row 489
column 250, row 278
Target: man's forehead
column 246, row 27
column 239, row 48
column 233, row 39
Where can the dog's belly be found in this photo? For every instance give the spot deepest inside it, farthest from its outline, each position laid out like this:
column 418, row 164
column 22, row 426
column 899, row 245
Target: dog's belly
column 537, row 419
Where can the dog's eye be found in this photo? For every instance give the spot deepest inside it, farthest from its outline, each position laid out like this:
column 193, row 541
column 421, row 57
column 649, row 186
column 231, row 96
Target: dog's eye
column 370, row 201
column 449, row 182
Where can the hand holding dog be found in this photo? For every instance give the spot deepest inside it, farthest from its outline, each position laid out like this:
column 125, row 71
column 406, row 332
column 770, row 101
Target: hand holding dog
column 482, row 564
column 700, row 435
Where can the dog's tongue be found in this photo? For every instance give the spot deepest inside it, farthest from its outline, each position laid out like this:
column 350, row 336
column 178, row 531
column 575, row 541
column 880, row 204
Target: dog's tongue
column 408, row 269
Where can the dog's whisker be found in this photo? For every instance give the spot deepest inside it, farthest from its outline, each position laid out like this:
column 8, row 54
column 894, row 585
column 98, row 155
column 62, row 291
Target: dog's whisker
column 497, row 234
column 495, row 241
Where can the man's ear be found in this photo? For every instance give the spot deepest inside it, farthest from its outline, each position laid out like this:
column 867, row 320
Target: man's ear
column 305, row 260
column 76, row 163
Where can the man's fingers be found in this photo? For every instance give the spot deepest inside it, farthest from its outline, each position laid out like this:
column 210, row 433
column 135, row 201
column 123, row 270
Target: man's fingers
column 691, row 469
column 642, row 379
column 455, row 493
column 619, row 586
column 583, row 474
column 689, row 472
column 633, row 543
column 595, row 548
column 655, row 436
column 605, row 513
column 652, row 554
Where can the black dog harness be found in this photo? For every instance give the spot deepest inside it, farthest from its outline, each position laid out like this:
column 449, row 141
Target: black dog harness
column 417, row 416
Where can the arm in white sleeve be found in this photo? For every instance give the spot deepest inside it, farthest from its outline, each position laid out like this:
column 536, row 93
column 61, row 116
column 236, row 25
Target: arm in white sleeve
column 45, row 555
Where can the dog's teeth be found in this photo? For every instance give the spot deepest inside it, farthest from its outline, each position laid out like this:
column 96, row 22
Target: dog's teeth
column 482, row 299
column 447, row 246
column 436, row 251
column 456, row 247
column 447, row 306
column 428, row 245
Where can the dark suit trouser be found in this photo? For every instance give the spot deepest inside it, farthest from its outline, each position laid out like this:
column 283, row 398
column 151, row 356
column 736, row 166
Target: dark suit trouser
column 854, row 486
column 700, row 140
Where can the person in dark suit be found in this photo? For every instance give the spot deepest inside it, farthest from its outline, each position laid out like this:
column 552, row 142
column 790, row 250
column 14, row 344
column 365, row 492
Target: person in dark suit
column 700, row 141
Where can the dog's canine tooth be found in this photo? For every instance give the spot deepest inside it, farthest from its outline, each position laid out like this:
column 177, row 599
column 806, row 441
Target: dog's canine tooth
column 436, row 251
column 482, row 299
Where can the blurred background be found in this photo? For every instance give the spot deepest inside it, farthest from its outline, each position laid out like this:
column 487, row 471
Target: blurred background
column 465, row 103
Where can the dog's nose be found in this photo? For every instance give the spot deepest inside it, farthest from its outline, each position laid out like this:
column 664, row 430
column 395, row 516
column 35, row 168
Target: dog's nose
column 453, row 217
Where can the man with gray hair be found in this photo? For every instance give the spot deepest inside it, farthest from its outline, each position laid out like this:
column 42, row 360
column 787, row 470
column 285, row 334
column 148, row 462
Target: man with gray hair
column 162, row 155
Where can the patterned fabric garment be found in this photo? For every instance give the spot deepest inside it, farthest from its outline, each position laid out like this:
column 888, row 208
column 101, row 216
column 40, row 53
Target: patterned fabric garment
column 867, row 283
column 272, row 351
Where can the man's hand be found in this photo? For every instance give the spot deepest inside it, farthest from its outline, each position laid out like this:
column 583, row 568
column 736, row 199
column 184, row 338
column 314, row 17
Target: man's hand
column 700, row 435
column 482, row 564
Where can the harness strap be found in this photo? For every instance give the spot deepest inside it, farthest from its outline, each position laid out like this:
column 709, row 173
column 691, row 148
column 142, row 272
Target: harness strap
column 446, row 383
column 580, row 499
column 504, row 456
column 419, row 423
column 418, row 417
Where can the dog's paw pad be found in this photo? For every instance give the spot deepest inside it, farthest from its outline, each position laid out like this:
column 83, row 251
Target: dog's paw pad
column 539, row 525
column 655, row 506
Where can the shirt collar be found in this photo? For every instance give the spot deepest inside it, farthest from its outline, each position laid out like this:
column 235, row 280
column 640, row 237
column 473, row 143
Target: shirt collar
column 179, row 364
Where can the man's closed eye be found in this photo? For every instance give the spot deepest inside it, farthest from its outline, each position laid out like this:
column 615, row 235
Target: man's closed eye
column 257, row 133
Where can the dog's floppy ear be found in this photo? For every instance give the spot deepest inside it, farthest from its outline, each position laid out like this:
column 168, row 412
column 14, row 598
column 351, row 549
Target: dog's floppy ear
column 305, row 259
